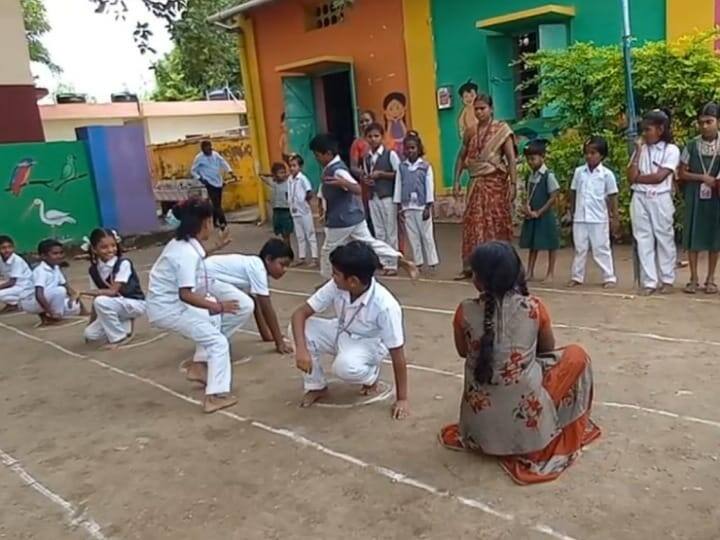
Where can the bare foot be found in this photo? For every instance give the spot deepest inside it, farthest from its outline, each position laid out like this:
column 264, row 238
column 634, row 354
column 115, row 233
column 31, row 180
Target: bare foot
column 574, row 284
column 185, row 365
column 216, row 402
column 369, row 389
column 197, row 372
column 313, row 396
column 49, row 321
column 609, row 285
column 550, row 278
column 314, row 264
column 410, row 268
column 647, row 292
column 115, row 346
column 9, row 309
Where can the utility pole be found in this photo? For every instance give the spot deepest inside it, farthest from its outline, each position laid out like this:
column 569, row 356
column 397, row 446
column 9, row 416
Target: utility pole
column 630, row 113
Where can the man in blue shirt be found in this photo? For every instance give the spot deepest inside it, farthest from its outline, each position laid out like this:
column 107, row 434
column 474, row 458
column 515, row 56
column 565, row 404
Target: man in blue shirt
column 209, row 167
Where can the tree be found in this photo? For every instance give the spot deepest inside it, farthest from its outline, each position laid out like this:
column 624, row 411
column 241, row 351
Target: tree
column 171, row 82
column 36, row 25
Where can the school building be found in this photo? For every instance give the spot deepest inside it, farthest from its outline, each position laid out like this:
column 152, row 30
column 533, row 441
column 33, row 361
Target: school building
column 310, row 65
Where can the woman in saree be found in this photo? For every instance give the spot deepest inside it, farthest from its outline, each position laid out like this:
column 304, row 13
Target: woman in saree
column 488, row 154
column 523, row 401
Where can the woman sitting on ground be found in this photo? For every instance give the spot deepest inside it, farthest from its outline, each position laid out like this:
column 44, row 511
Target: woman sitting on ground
column 524, row 401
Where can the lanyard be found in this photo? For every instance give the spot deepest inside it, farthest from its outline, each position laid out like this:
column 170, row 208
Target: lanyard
column 344, row 327
column 715, row 155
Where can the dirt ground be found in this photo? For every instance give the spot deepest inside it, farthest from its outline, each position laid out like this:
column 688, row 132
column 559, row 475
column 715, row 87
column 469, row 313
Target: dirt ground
column 113, row 445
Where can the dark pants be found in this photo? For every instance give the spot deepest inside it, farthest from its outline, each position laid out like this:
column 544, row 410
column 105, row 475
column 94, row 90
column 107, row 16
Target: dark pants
column 215, row 195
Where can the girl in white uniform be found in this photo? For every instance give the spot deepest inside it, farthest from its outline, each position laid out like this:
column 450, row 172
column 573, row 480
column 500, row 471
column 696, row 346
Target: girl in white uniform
column 118, row 296
column 651, row 173
column 179, row 300
column 17, row 276
column 368, row 326
column 54, row 299
column 300, row 196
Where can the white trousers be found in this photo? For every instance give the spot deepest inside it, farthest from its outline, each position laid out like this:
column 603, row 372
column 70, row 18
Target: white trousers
column 422, row 238
column 12, row 295
column 114, row 318
column 357, row 360
column 58, row 299
column 383, row 213
column 305, row 234
column 232, row 322
column 338, row 237
column 595, row 236
column 652, row 224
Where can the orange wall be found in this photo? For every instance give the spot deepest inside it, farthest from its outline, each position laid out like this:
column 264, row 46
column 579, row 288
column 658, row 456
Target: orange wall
column 372, row 34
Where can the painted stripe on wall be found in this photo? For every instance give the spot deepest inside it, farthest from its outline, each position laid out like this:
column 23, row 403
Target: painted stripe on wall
column 687, row 16
column 420, row 57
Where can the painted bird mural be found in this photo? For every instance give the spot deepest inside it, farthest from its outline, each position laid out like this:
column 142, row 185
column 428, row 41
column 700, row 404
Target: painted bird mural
column 20, row 176
column 54, row 218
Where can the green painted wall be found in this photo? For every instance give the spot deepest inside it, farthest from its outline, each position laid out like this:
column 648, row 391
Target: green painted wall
column 461, row 49
column 47, row 191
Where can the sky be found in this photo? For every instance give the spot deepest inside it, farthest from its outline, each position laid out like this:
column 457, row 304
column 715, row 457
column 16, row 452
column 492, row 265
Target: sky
column 97, row 53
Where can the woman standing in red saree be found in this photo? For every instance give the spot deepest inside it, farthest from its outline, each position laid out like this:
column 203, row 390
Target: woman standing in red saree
column 488, row 154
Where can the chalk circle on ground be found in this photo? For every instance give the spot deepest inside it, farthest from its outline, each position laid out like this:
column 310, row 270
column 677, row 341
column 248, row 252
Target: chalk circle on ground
column 135, row 344
column 385, row 390
column 71, row 321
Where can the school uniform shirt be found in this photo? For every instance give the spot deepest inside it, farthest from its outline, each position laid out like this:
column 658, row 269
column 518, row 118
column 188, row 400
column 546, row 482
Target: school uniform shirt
column 17, row 268
column 299, row 187
column 429, row 187
column 210, row 168
column 47, row 276
column 246, row 272
column 105, row 270
column 394, row 158
column 552, row 184
column 340, row 174
column 591, row 191
column 280, row 197
column 375, row 315
column 654, row 157
column 178, row 267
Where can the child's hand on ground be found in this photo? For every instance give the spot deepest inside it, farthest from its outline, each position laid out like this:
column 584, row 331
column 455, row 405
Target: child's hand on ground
column 284, row 347
column 400, row 409
column 303, row 361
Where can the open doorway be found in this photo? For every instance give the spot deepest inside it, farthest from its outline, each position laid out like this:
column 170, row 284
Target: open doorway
column 339, row 109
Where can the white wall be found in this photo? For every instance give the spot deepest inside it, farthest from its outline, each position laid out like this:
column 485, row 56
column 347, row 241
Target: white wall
column 173, row 128
column 64, row 130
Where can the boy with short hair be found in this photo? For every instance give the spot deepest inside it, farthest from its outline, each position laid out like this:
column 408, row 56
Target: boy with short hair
column 344, row 214
column 368, row 326
column 380, row 167
column 236, row 276
column 54, row 298
column 16, row 274
column 282, row 218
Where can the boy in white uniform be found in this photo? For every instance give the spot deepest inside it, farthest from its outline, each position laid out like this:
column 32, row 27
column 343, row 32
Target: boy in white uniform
column 245, row 274
column 594, row 203
column 16, row 274
column 367, row 326
column 53, row 299
column 651, row 173
column 301, row 194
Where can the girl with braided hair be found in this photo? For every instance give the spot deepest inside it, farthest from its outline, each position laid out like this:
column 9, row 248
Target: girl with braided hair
column 523, row 401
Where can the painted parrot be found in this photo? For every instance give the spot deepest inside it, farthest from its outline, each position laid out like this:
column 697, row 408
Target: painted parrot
column 21, row 175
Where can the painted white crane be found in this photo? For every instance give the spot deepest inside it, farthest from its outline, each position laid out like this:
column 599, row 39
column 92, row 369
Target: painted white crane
column 53, row 218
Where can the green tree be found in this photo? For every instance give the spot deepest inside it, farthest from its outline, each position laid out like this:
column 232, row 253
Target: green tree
column 171, row 82
column 36, row 25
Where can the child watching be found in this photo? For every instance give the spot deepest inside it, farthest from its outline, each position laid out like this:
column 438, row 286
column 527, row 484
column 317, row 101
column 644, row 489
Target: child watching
column 540, row 228
column 380, row 168
column 282, row 219
column 248, row 274
column 17, row 276
column 118, row 298
column 368, row 325
column 415, row 193
column 54, row 299
column 301, row 195
column 594, row 204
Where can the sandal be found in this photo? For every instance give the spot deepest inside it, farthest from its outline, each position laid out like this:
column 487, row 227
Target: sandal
column 647, row 291
column 449, row 437
column 711, row 288
column 691, row 288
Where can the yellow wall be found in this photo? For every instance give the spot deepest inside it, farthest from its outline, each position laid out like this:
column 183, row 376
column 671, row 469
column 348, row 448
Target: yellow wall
column 686, row 16
column 420, row 53
column 173, row 161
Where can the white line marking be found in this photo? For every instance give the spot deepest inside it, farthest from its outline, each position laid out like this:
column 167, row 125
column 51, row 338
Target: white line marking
column 382, row 396
column 13, row 314
column 76, row 517
column 74, row 322
column 590, row 329
column 144, row 342
column 394, row 476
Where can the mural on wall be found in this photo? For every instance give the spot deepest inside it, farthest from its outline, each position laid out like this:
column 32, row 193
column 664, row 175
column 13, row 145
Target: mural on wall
column 467, row 119
column 49, row 193
column 394, row 111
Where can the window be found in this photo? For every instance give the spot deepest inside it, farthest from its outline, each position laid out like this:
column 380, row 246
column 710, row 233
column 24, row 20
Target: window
column 325, row 15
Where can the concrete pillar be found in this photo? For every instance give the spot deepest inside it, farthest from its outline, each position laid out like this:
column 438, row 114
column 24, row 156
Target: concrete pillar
column 19, row 114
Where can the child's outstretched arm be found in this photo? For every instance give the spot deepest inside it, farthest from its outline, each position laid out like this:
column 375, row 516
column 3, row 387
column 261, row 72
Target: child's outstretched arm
column 267, row 312
column 302, row 355
column 400, row 408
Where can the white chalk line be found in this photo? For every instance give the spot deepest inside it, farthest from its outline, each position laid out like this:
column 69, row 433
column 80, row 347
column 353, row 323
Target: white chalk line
column 589, row 329
column 394, row 476
column 144, row 342
column 76, row 518
column 74, row 321
column 382, row 396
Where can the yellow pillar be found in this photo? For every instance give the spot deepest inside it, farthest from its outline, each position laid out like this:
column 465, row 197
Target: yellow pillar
column 420, row 59
column 254, row 104
column 687, row 16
